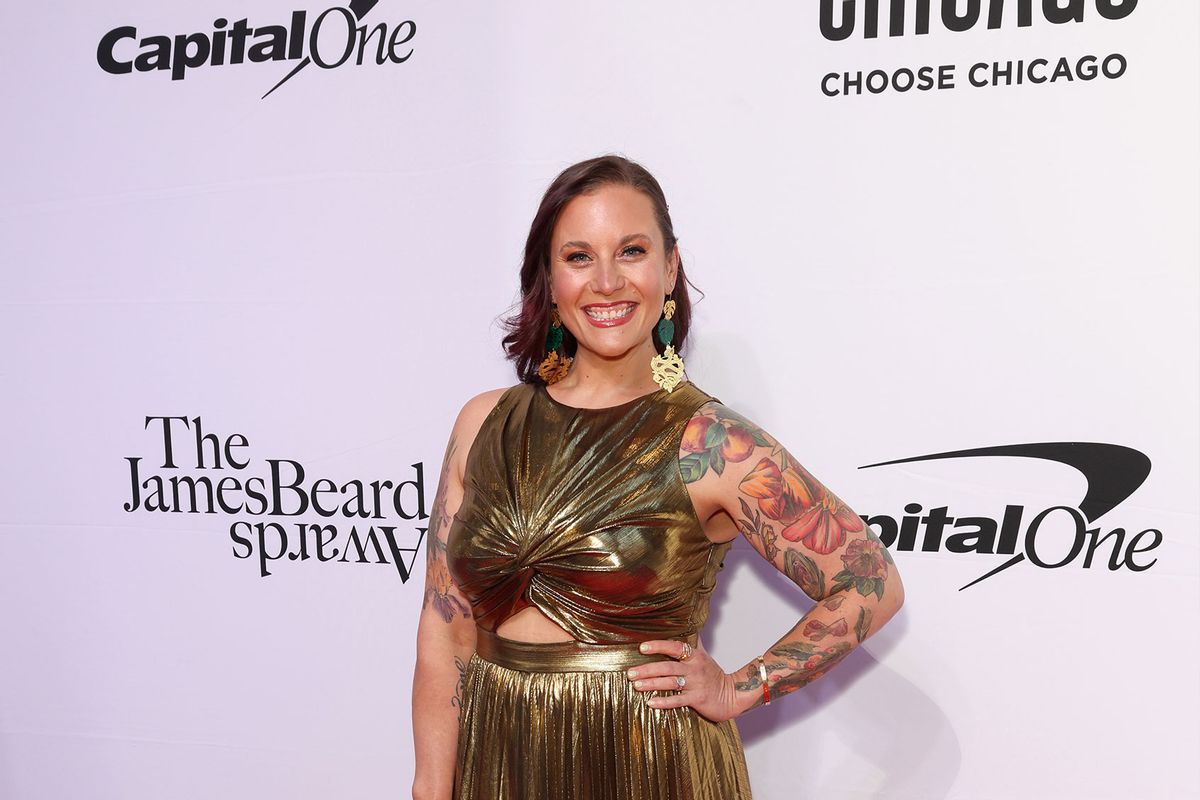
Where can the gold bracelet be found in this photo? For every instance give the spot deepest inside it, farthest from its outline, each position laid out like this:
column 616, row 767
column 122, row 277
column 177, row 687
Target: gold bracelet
column 762, row 676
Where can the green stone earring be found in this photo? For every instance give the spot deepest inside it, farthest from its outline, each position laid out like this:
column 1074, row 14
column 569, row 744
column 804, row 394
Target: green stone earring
column 554, row 366
column 667, row 368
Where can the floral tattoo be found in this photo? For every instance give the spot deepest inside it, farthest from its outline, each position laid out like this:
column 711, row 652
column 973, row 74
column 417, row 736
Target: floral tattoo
column 782, row 490
column 801, row 526
column 437, row 574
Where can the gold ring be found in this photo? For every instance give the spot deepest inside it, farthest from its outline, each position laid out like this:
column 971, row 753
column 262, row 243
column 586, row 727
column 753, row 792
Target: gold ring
column 687, row 652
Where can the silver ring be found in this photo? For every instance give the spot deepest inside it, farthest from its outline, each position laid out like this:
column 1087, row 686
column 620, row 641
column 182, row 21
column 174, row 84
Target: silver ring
column 680, row 681
column 687, row 652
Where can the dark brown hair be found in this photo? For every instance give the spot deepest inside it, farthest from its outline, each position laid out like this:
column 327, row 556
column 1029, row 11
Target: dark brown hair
column 525, row 342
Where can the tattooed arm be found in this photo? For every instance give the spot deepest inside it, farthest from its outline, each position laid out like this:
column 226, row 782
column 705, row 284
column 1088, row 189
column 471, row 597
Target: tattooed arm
column 446, row 631
column 736, row 469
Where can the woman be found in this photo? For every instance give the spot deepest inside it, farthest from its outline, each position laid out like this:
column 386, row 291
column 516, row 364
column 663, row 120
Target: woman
column 580, row 521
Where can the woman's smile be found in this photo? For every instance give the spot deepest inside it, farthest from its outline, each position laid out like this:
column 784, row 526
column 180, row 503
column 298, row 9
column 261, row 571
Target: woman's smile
column 609, row 315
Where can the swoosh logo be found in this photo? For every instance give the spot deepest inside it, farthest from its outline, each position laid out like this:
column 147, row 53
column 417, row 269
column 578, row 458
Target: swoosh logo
column 1113, row 472
column 358, row 8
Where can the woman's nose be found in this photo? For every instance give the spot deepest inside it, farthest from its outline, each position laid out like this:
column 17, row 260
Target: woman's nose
column 608, row 277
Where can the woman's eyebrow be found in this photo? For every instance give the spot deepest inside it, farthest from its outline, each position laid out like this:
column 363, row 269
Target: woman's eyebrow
column 585, row 245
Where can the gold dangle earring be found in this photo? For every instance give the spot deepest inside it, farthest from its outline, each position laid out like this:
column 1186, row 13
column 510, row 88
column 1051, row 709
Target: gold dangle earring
column 554, row 367
column 668, row 367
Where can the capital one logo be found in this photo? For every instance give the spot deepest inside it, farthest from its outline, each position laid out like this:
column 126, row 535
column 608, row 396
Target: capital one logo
column 1113, row 472
column 335, row 36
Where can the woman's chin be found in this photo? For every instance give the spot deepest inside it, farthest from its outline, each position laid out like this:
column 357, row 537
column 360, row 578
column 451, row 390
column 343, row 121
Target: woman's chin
column 608, row 350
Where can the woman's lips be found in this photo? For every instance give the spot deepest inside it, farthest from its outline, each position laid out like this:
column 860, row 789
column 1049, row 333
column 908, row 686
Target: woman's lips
column 613, row 321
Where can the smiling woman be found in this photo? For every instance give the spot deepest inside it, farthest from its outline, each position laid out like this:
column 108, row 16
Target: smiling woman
column 603, row 223
column 580, row 523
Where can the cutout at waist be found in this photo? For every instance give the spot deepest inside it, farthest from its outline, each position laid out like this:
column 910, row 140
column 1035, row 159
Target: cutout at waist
column 531, row 624
column 569, row 656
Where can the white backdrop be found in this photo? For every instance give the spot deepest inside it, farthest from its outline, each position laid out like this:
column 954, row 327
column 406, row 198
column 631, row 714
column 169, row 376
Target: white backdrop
column 885, row 276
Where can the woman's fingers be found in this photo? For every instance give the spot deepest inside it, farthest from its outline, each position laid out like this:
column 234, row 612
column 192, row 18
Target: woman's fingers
column 654, row 669
column 704, row 679
column 690, row 663
column 668, row 684
column 657, row 675
column 657, row 669
column 676, row 700
column 679, row 650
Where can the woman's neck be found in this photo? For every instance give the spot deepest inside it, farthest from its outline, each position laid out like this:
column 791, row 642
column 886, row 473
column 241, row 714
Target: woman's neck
column 598, row 380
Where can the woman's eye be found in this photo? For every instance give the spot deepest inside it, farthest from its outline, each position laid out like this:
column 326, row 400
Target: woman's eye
column 631, row 250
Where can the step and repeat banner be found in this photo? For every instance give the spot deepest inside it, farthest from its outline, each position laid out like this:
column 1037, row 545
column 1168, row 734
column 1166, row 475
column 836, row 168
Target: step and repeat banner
column 255, row 254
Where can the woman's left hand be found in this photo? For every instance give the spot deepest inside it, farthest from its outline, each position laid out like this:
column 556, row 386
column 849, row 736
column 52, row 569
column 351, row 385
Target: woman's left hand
column 707, row 688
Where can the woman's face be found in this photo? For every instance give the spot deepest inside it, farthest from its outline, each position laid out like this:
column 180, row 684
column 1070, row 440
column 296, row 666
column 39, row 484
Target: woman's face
column 608, row 269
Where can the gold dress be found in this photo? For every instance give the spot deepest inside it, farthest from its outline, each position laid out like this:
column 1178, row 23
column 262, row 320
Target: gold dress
column 583, row 513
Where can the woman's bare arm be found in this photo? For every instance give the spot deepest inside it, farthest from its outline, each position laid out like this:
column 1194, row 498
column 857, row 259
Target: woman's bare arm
column 807, row 533
column 446, row 631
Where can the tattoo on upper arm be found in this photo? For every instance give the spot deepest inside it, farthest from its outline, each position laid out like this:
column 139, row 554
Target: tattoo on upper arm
column 717, row 436
column 864, row 566
column 781, row 503
column 438, row 583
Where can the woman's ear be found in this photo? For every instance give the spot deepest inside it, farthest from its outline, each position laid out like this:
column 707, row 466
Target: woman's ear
column 672, row 268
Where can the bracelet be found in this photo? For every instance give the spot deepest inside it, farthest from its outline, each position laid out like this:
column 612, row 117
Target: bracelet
column 762, row 676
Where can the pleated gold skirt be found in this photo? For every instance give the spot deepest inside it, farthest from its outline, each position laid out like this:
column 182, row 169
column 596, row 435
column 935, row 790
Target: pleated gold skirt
column 544, row 721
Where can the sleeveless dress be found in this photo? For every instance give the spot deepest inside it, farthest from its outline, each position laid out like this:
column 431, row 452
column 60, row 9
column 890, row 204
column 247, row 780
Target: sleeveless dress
column 583, row 513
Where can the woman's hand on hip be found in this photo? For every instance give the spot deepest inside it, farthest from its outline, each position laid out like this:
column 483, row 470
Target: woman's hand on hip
column 706, row 687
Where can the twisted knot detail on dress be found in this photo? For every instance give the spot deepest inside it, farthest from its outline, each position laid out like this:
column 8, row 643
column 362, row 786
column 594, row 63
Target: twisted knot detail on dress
column 583, row 513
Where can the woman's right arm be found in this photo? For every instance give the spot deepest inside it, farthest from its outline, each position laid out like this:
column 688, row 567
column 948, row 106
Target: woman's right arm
column 446, row 631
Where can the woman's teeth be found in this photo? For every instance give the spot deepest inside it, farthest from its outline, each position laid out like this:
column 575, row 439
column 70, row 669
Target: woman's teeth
column 615, row 312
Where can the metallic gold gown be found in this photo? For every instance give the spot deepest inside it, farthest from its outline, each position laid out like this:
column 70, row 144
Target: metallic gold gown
column 583, row 513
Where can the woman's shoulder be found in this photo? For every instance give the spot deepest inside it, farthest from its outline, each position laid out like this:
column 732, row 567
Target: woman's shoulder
column 476, row 409
column 470, row 420
column 718, row 436
column 696, row 394
column 699, row 402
